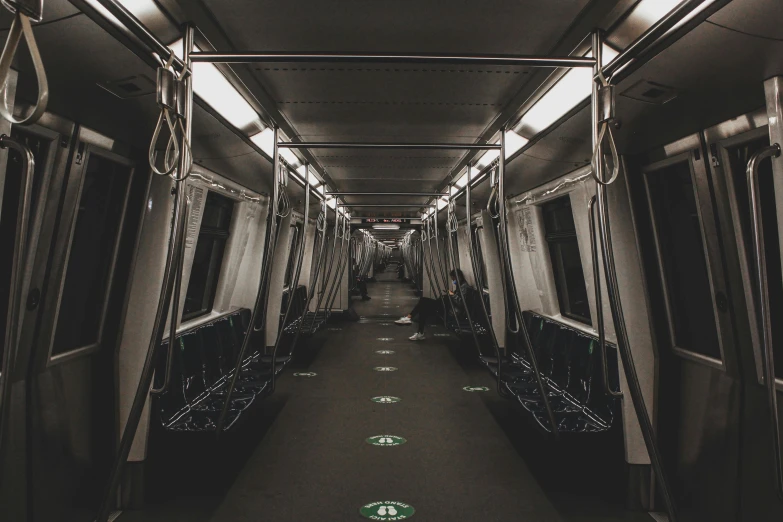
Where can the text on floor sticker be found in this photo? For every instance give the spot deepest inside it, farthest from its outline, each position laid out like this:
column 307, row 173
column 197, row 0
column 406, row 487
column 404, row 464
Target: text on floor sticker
column 385, row 369
column 387, row 510
column 385, row 399
column 305, row 374
column 386, row 440
column 475, row 388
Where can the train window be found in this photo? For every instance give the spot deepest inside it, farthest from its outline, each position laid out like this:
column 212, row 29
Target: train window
column 682, row 259
column 739, row 157
column 292, row 257
column 566, row 262
column 208, row 257
column 90, row 260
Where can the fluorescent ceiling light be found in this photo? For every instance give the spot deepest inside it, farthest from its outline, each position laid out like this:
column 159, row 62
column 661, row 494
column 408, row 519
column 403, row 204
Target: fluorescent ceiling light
column 147, row 11
column 645, row 14
column 265, row 141
column 454, row 189
column 442, row 203
column 514, row 142
column 331, row 202
column 320, row 189
column 215, row 89
column 461, row 182
column 384, row 226
column 573, row 88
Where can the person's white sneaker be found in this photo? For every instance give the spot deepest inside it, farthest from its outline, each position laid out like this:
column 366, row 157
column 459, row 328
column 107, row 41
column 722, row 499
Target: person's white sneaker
column 417, row 337
column 403, row 320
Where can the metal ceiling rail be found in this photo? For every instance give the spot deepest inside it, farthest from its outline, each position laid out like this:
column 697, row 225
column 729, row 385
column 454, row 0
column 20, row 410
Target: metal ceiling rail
column 402, row 146
column 412, row 194
column 417, row 205
column 643, row 42
column 418, row 58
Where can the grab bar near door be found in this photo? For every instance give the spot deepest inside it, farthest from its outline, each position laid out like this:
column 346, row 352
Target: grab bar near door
column 764, row 320
column 20, row 266
column 599, row 305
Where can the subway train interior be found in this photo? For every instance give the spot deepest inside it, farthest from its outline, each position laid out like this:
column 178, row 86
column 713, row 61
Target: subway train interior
column 445, row 260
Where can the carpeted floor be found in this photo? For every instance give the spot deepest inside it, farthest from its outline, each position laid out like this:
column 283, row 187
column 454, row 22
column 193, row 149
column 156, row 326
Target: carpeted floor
column 305, row 457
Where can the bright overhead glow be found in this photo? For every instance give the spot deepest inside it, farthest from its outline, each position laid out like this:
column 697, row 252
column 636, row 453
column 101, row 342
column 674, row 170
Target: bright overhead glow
column 265, row 141
column 331, row 202
column 442, row 203
column 384, row 226
column 514, row 142
column 461, row 182
column 144, row 10
column 574, row 87
column 215, row 89
column 320, row 189
column 650, row 11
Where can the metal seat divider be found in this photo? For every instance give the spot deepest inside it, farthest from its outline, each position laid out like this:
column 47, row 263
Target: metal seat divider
column 314, row 273
column 479, row 281
column 328, row 272
column 451, row 217
column 176, row 244
column 262, row 293
column 612, row 285
column 599, row 307
column 294, row 280
column 511, row 283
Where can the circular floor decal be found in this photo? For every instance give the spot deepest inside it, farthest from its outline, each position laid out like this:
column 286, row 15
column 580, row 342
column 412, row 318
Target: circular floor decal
column 385, row 338
column 386, row 440
column 385, row 324
column 387, row 510
column 385, row 369
column 385, row 399
column 305, row 374
column 442, row 335
column 384, row 352
column 475, row 388
column 334, row 329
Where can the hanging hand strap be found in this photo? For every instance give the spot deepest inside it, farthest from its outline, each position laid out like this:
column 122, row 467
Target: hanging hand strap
column 21, row 26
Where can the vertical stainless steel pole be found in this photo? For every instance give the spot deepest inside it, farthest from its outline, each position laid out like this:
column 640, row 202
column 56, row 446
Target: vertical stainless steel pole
column 176, row 243
column 512, row 282
column 610, row 272
column 260, row 304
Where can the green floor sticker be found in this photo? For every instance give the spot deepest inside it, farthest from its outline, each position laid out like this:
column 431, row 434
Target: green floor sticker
column 334, row 329
column 442, row 335
column 385, row 352
column 385, row 369
column 386, row 440
column 385, row 399
column 305, row 374
column 385, row 338
column 475, row 388
column 387, row 510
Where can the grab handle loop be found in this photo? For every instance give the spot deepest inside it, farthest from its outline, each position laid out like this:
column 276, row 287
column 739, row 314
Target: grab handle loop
column 24, row 11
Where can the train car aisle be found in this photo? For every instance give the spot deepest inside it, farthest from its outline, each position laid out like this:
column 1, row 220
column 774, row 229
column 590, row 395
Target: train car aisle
column 317, row 463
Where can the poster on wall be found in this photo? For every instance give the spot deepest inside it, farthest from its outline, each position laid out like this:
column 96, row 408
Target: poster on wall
column 196, row 197
column 527, row 234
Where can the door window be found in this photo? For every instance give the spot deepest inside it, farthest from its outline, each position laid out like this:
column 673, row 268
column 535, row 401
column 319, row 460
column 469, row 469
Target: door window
column 91, row 256
column 682, row 259
column 739, row 156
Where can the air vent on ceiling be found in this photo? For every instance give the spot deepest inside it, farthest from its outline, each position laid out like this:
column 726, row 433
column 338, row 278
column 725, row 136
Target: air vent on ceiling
column 129, row 87
column 650, row 92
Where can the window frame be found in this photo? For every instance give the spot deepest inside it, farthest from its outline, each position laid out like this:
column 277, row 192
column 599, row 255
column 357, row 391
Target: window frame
column 216, row 236
column 554, row 241
column 710, row 247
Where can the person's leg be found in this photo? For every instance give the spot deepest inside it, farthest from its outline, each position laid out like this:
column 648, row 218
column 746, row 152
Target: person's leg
column 424, row 314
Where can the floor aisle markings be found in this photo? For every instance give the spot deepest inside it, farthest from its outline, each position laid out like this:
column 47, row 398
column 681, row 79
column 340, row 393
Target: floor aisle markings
column 384, row 352
column 385, row 399
column 475, row 388
column 385, row 369
column 387, row 510
column 386, row 440
column 305, row 374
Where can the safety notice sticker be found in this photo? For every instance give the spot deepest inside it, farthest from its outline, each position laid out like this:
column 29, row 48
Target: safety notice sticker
column 475, row 388
column 385, row 399
column 385, row 369
column 387, row 510
column 384, row 352
column 385, row 440
column 305, row 374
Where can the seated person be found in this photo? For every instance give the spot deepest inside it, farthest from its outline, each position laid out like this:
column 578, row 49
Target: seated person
column 427, row 306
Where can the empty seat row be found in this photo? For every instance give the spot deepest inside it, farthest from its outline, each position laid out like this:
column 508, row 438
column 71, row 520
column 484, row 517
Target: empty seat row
column 569, row 361
column 204, row 361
